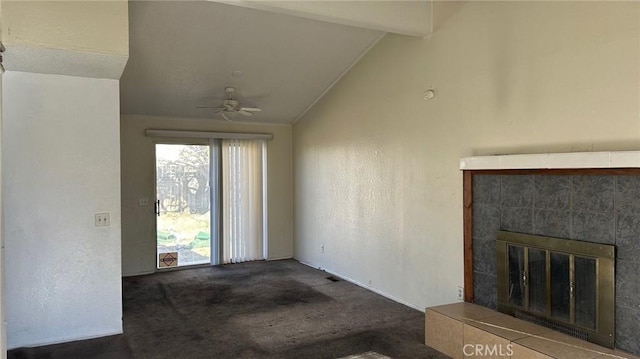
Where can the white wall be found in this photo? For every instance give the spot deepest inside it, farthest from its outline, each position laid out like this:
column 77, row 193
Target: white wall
column 88, row 38
column 87, row 26
column 60, row 166
column 138, row 181
column 376, row 167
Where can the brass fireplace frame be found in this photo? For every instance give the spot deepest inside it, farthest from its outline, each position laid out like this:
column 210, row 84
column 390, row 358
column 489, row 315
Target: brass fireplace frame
column 604, row 256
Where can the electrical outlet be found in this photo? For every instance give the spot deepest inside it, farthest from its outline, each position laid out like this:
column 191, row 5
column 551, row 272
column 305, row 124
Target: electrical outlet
column 460, row 293
column 322, row 248
column 102, row 220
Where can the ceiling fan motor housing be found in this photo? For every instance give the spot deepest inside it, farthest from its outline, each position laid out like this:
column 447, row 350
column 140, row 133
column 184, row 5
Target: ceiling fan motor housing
column 230, row 105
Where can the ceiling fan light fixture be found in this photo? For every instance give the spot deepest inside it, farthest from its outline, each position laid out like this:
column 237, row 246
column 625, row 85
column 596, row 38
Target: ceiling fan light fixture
column 230, row 105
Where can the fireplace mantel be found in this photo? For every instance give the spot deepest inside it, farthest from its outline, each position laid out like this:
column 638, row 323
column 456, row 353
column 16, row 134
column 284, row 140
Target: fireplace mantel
column 569, row 160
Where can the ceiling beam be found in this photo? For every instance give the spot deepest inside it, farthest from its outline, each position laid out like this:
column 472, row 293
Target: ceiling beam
column 412, row 18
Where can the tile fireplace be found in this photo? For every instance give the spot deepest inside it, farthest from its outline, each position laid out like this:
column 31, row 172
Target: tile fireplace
column 584, row 196
column 600, row 206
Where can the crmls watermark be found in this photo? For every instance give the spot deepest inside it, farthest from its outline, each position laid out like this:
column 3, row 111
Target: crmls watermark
column 486, row 350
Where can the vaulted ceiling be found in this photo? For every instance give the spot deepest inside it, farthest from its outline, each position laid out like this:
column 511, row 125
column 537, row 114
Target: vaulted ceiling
column 183, row 55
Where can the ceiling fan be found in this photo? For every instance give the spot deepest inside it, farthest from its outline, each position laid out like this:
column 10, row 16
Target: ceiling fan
column 229, row 105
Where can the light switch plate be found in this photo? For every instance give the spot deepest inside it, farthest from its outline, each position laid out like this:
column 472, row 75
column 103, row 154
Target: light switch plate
column 102, row 220
column 143, row 202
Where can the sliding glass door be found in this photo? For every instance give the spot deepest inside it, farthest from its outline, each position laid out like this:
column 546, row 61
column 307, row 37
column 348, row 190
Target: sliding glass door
column 210, row 202
column 183, row 231
column 243, row 192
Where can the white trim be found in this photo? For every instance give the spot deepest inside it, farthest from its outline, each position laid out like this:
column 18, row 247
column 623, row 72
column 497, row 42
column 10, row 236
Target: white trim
column 135, row 274
column 67, row 339
column 571, row 160
column 377, row 291
column 278, row 258
column 205, row 134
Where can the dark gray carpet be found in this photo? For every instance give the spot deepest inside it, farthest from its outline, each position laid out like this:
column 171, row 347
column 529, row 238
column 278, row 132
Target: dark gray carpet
column 279, row 309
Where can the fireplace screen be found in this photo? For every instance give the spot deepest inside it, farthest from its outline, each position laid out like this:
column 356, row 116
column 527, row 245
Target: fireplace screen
column 563, row 284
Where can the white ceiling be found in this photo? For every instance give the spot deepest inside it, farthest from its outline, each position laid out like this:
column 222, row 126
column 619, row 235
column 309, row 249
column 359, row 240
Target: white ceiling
column 183, row 54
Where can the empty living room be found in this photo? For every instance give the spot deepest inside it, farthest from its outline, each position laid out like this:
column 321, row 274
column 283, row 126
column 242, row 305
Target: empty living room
column 320, row 179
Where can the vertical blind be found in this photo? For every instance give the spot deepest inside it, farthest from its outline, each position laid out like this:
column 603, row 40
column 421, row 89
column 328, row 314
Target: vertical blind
column 242, row 200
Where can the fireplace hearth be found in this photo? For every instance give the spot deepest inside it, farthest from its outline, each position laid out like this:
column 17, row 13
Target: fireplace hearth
column 562, row 284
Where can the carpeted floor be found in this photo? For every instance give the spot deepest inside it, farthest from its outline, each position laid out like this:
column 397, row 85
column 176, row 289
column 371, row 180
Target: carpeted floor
column 279, row 309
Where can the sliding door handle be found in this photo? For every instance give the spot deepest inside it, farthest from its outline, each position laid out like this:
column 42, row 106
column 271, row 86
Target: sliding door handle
column 157, row 207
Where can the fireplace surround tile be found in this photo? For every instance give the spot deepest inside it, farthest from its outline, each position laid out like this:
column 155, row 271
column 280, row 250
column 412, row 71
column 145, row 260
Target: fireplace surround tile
column 517, row 219
column 484, row 290
column 627, row 195
column 594, row 227
column 450, row 327
column 628, row 236
column 522, row 352
column 627, row 320
column 552, row 192
column 593, row 193
column 486, row 222
column 488, row 189
column 484, row 254
column 628, row 283
column 460, row 311
column 517, row 329
column 567, row 339
column 552, row 223
column 474, row 336
column 617, row 354
column 517, row 191
column 444, row 334
column 502, row 333
column 602, row 209
column 555, row 349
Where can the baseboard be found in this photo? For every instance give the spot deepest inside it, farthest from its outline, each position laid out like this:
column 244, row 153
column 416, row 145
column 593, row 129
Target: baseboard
column 279, row 258
column 66, row 340
column 138, row 273
column 377, row 291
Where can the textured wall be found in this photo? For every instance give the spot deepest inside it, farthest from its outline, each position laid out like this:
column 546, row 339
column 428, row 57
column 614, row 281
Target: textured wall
column 138, row 181
column 60, row 166
column 600, row 209
column 87, row 26
column 377, row 179
column 75, row 38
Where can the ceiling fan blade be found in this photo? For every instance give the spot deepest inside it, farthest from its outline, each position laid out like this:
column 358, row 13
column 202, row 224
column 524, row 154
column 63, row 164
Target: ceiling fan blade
column 224, row 116
column 250, row 109
column 243, row 112
column 208, row 107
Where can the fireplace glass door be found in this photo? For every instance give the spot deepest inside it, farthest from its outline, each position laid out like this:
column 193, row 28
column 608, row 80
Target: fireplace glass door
column 553, row 284
column 564, row 284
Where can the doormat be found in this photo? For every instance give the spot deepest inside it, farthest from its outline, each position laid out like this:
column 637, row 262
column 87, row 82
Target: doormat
column 168, row 259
